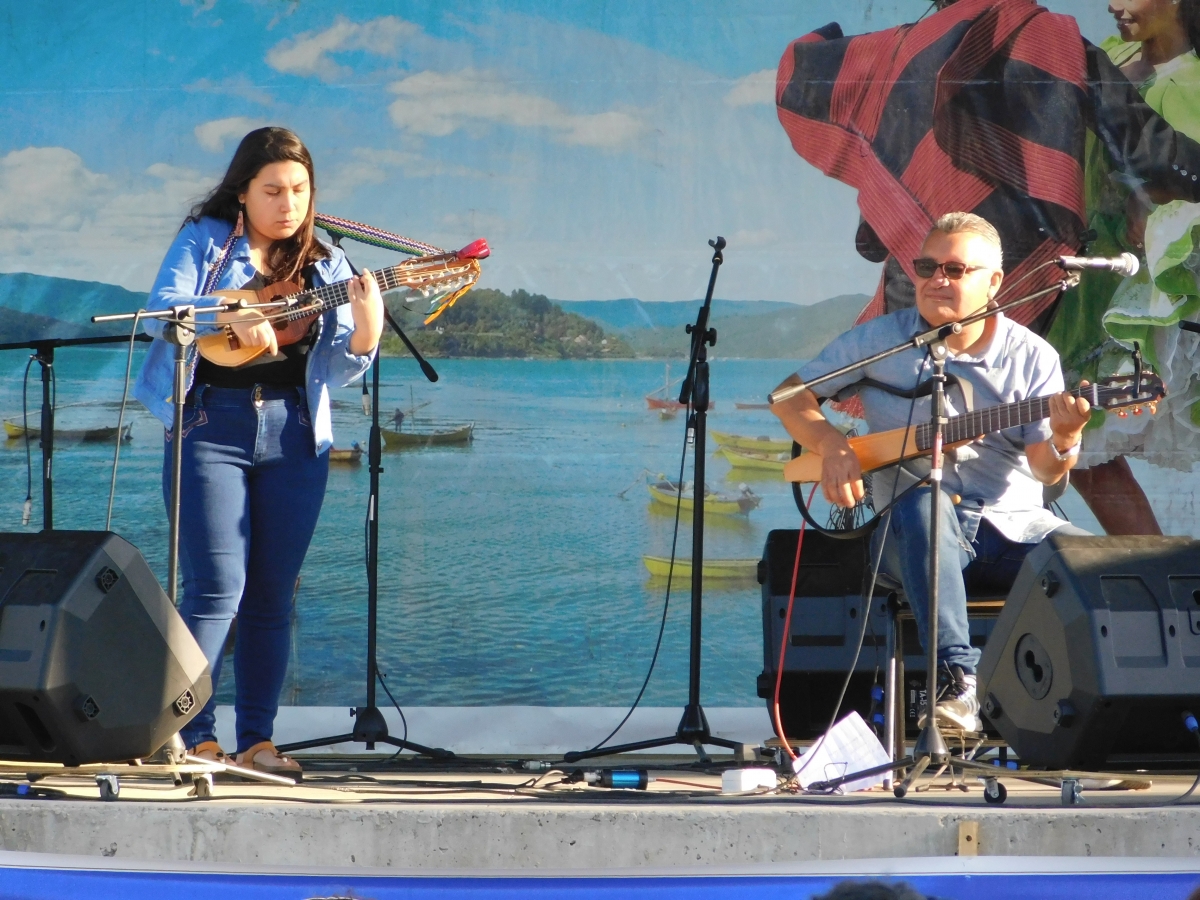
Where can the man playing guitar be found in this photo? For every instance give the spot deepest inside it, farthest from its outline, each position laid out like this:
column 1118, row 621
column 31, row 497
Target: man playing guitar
column 992, row 511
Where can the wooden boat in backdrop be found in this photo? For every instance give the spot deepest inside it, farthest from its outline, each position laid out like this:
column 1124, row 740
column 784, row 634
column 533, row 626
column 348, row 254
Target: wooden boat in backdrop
column 659, row 399
column 349, row 456
column 13, row 429
column 755, row 459
column 761, row 444
column 402, row 440
column 667, row 493
column 660, row 567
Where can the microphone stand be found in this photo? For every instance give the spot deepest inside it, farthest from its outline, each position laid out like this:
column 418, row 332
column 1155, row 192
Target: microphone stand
column 179, row 330
column 44, row 356
column 693, row 727
column 930, row 748
column 370, row 726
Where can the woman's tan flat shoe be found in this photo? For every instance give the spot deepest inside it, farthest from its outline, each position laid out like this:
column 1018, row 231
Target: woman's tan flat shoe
column 263, row 757
column 209, row 751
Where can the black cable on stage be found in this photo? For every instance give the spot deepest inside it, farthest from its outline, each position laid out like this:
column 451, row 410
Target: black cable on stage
column 112, row 488
column 27, row 509
column 662, row 625
column 868, row 589
column 403, row 720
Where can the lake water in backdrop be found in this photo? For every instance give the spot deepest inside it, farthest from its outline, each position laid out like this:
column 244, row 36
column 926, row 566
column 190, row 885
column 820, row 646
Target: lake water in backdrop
column 510, row 570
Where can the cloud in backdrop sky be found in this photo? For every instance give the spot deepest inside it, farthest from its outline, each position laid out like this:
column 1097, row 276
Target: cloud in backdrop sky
column 597, row 154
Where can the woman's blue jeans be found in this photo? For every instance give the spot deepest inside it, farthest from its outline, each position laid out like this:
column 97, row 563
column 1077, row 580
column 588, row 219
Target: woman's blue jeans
column 252, row 487
column 974, row 557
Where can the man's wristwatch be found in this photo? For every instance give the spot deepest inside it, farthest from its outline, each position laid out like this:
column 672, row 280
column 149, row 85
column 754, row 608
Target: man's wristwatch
column 1064, row 455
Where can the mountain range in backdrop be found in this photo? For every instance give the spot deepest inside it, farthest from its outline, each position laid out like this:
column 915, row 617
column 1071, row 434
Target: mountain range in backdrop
column 488, row 322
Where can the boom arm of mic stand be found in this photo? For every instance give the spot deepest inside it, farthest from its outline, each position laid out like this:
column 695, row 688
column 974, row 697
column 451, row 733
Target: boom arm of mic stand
column 700, row 330
column 932, row 336
column 428, row 370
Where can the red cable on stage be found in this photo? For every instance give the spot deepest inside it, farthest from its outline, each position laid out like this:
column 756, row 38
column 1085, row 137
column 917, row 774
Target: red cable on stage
column 787, row 630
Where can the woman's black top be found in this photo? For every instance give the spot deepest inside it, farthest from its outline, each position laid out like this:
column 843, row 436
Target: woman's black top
column 286, row 370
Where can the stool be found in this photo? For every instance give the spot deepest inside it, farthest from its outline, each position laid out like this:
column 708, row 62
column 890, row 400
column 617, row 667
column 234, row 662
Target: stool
column 898, row 612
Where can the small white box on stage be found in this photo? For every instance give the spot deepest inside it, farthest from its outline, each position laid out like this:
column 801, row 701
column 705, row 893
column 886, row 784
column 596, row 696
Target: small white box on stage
column 737, row 781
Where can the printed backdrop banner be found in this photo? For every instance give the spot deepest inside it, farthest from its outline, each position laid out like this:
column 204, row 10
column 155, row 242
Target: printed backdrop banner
column 598, row 146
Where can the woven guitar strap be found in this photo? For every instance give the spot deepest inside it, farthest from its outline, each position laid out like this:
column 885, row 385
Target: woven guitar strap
column 369, row 234
column 356, row 231
column 222, row 263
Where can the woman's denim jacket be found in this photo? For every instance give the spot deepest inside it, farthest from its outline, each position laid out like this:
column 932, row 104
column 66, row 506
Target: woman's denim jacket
column 194, row 252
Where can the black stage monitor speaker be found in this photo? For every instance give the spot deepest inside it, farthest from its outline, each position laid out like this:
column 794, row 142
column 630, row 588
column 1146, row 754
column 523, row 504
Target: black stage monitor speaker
column 1097, row 652
column 826, row 620
column 95, row 663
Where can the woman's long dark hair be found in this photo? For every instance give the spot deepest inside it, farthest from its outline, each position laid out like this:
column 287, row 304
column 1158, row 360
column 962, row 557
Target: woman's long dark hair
column 260, row 148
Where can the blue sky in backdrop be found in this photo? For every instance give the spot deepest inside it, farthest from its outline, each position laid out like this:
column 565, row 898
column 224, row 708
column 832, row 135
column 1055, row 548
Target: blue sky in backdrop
column 597, row 145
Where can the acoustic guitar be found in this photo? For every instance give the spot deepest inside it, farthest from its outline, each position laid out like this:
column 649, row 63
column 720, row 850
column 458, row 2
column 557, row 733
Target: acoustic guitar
column 886, row 448
column 440, row 279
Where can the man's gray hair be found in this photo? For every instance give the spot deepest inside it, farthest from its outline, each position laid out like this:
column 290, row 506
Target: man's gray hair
column 969, row 223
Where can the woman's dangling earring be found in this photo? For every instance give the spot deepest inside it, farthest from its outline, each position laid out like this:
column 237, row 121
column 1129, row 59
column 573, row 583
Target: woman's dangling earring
column 237, row 229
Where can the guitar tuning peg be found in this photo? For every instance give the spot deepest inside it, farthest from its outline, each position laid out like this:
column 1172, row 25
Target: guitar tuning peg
column 1122, row 414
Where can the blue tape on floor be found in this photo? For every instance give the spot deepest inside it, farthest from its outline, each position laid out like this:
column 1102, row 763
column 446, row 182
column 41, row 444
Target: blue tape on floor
column 61, row 884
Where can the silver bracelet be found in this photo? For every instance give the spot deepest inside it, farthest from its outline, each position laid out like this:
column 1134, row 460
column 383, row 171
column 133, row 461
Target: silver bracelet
column 1064, row 455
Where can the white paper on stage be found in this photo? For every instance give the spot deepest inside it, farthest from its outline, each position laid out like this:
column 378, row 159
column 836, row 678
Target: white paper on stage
column 850, row 746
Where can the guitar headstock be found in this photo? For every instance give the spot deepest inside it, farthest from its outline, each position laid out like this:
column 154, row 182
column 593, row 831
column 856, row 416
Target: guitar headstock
column 1126, row 393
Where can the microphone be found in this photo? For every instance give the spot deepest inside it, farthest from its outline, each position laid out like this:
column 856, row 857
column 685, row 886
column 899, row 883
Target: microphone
column 1126, row 264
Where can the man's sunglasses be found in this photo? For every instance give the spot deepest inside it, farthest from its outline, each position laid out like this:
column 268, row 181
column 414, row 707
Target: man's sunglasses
column 925, row 267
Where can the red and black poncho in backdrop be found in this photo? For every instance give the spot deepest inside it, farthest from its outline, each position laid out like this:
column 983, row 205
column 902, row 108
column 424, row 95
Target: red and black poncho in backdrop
column 982, row 107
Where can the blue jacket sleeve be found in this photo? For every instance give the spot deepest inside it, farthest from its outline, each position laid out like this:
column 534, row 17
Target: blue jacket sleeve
column 181, row 275
column 341, row 365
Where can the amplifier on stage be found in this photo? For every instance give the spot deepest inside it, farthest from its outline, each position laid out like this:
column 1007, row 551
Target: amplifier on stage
column 826, row 621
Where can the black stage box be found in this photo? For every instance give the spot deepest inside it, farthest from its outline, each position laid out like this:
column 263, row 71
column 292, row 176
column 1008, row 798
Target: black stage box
column 824, row 633
column 95, row 663
column 1097, row 653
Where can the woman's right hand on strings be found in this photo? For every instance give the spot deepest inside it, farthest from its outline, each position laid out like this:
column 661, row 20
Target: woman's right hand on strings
column 841, row 472
column 256, row 334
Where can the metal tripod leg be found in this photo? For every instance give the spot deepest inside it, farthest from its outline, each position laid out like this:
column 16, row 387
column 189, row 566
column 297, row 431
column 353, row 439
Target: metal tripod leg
column 919, row 766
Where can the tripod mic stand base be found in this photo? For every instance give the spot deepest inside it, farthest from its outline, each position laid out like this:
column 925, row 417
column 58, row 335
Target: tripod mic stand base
column 693, row 732
column 370, row 728
column 930, row 749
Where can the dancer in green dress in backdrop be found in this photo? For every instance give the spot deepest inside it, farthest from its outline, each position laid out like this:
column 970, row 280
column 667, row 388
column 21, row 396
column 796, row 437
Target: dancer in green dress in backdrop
column 1096, row 328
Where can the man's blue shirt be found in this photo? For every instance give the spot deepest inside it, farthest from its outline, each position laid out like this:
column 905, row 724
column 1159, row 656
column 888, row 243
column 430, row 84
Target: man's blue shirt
column 991, row 475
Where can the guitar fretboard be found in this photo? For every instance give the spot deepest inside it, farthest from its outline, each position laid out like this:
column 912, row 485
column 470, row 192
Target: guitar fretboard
column 1009, row 415
column 329, row 296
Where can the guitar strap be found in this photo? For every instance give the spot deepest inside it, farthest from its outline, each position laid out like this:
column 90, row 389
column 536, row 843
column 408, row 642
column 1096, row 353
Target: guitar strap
column 222, row 263
column 356, row 231
column 369, row 234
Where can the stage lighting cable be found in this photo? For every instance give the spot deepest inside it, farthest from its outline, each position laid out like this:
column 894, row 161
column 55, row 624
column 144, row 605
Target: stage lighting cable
column 112, row 488
column 662, row 625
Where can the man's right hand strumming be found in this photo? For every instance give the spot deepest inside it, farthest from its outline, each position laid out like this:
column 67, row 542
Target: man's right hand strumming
column 841, row 473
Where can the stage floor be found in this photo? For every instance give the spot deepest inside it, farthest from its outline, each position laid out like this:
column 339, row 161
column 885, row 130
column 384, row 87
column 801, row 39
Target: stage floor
column 476, row 815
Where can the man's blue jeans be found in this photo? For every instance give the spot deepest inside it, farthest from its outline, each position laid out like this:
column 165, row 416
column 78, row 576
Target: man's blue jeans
column 252, row 489
column 974, row 557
